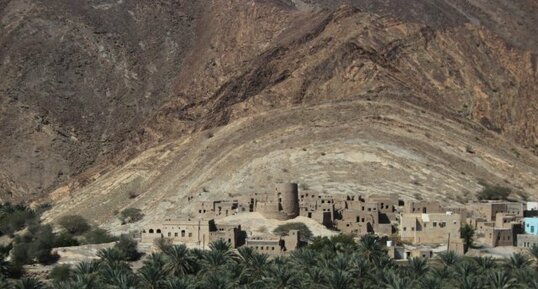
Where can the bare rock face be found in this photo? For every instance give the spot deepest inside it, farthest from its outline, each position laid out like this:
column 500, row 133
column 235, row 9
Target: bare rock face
column 87, row 85
column 78, row 78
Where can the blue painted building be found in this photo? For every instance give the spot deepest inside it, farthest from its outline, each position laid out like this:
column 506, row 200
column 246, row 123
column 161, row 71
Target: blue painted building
column 531, row 226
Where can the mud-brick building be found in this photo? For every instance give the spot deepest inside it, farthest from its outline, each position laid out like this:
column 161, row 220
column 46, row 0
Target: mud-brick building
column 429, row 228
column 490, row 209
column 364, row 220
column 221, row 208
column 494, row 237
column 404, row 253
column 527, row 240
column 320, row 207
column 198, row 232
column 281, row 204
column 387, row 203
column 275, row 245
column 507, row 221
column 422, row 207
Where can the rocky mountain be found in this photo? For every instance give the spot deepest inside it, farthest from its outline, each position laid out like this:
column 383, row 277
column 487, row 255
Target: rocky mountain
column 202, row 98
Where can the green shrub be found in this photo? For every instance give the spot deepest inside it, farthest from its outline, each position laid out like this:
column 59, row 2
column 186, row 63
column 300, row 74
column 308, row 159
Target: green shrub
column 20, row 254
column 15, row 218
column 65, row 239
column 74, row 224
column 131, row 215
column 493, row 192
column 331, row 244
column 61, row 273
column 34, row 246
column 99, row 236
column 304, row 231
column 127, row 246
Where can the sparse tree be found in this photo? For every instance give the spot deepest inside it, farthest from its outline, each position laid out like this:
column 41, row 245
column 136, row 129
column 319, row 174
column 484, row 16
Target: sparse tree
column 131, row 215
column 74, row 224
column 467, row 234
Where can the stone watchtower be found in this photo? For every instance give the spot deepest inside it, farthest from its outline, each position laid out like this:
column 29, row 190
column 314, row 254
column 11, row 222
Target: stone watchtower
column 288, row 194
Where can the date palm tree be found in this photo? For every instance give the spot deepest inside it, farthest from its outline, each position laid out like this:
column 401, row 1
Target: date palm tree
column 394, row 281
column 110, row 255
column 281, row 277
column 430, row 282
column 533, row 251
column 470, row 282
column 87, row 267
column 178, row 283
column 221, row 280
column 466, row 269
column 485, row 263
column 80, row 282
column 370, row 247
column 501, row 280
column 151, row 276
column 449, row 258
column 29, row 283
column 517, row 262
column 417, row 267
column 178, row 260
column 255, row 265
column 339, row 279
column 214, row 260
column 4, row 283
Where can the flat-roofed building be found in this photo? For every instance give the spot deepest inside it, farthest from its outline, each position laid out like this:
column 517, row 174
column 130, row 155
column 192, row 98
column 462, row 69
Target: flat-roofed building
column 499, row 237
column 422, row 207
column 198, row 232
column 531, row 225
column 429, row 228
column 275, row 245
column 527, row 240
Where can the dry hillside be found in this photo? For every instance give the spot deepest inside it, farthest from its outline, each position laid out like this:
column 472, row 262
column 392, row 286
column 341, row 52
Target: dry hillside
column 174, row 98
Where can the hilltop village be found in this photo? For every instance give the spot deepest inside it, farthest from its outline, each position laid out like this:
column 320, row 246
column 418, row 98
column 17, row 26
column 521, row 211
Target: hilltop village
column 411, row 228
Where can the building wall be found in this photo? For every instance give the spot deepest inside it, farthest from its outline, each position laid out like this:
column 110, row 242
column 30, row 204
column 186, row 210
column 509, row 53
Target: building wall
column 198, row 232
column 490, row 210
column 188, row 231
column 526, row 240
column 456, row 245
column 499, row 237
column 399, row 253
column 282, row 204
column 317, row 207
column 505, row 220
column 282, row 245
column 422, row 207
column 532, row 206
column 387, row 204
column 531, row 226
column 289, row 197
column 429, row 228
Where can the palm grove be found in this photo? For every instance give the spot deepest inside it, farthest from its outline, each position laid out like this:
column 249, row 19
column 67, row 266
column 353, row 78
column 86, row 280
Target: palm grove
column 337, row 263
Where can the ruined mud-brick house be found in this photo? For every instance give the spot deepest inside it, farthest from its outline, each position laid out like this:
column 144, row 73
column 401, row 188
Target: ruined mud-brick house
column 272, row 245
column 317, row 206
column 199, row 232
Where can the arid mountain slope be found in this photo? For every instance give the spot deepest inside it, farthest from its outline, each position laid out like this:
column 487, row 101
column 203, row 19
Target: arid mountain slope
column 340, row 147
column 78, row 78
column 88, row 85
column 464, row 72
